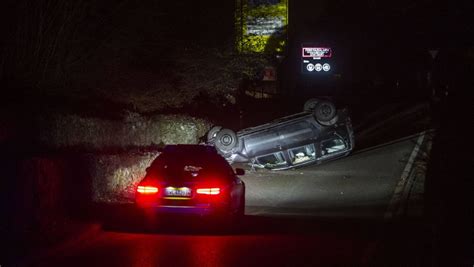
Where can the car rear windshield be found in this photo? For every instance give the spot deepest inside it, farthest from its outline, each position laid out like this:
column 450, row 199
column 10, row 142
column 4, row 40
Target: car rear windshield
column 177, row 165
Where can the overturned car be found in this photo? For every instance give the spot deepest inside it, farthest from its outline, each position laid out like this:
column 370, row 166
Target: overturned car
column 318, row 134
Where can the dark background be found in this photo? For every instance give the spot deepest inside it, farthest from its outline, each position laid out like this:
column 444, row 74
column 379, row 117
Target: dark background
column 100, row 58
column 116, row 52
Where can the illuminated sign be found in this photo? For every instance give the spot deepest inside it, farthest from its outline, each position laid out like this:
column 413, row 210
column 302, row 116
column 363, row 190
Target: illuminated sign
column 326, row 67
column 269, row 74
column 318, row 67
column 315, row 59
column 316, row 52
column 264, row 26
column 261, row 26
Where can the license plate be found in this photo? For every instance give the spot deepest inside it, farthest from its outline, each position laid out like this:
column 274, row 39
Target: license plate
column 177, row 192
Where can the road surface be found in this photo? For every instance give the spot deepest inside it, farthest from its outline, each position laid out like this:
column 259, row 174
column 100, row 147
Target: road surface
column 360, row 185
column 328, row 215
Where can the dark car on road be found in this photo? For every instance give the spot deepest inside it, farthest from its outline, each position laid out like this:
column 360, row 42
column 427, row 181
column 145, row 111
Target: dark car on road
column 192, row 179
column 318, row 134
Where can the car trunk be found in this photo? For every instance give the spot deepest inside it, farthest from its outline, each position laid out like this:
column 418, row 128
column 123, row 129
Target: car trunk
column 181, row 188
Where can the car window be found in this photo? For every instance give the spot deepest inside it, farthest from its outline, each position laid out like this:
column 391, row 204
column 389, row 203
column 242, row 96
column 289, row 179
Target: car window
column 184, row 165
column 302, row 154
column 332, row 146
column 272, row 160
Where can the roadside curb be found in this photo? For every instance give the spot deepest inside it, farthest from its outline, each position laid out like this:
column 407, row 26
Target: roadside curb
column 404, row 214
column 428, row 131
column 407, row 112
column 398, row 206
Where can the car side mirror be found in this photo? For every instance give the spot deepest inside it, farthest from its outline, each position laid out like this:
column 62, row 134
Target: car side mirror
column 239, row 171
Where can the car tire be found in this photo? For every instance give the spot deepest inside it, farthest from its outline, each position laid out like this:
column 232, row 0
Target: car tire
column 325, row 112
column 310, row 104
column 235, row 219
column 241, row 210
column 226, row 141
column 212, row 133
column 329, row 123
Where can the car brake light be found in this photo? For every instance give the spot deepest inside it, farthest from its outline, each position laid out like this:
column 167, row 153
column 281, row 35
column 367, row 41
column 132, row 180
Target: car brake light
column 147, row 189
column 208, row 191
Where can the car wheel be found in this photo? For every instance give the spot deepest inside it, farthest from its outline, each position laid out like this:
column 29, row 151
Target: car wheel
column 331, row 122
column 325, row 112
column 212, row 133
column 235, row 219
column 226, row 140
column 241, row 210
column 310, row 104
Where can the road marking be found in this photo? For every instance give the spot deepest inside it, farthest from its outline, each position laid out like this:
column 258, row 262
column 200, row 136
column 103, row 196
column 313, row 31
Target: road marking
column 393, row 142
column 397, row 198
column 408, row 111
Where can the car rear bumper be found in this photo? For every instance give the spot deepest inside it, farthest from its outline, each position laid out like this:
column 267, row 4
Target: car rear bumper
column 198, row 210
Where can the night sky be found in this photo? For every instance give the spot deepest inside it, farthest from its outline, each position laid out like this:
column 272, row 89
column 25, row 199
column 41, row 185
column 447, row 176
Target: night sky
column 78, row 44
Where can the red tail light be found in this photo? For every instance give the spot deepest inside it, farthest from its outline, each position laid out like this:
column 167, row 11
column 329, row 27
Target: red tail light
column 209, row 191
column 143, row 189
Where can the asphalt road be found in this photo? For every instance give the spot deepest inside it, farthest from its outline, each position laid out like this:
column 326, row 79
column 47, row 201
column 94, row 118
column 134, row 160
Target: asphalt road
column 360, row 185
column 327, row 215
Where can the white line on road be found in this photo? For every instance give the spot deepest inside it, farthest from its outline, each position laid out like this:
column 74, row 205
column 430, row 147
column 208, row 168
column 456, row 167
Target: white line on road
column 398, row 194
column 429, row 131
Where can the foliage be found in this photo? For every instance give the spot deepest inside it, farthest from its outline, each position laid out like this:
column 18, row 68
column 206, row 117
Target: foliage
column 49, row 39
column 62, row 131
column 247, row 42
column 141, row 56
